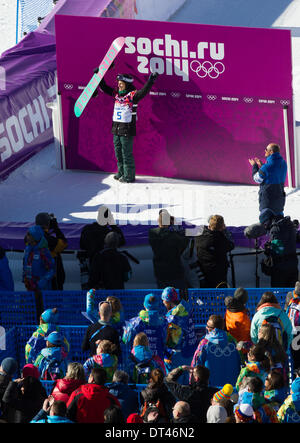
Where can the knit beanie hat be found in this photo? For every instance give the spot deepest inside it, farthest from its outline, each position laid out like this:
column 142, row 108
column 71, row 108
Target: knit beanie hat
column 152, row 302
column 170, row 294
column 9, row 365
column 55, row 339
column 297, row 288
column 244, row 412
column 241, row 295
column 36, row 232
column 216, row 414
column 50, row 316
column 30, row 371
column 224, row 393
column 238, row 301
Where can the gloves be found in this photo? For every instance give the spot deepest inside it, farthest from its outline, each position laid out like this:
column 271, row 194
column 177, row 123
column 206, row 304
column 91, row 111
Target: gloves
column 95, row 94
column 53, row 224
column 96, row 70
column 153, row 76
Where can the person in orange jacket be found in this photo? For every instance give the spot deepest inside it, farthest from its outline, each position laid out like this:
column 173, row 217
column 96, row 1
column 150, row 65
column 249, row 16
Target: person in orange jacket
column 237, row 316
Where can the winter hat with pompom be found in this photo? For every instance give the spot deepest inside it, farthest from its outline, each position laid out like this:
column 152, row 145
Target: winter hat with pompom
column 224, row 393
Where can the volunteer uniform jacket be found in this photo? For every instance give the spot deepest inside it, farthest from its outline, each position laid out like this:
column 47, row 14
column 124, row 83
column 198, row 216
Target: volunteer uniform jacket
column 271, row 177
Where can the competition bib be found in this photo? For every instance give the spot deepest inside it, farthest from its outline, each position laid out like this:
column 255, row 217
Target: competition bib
column 122, row 114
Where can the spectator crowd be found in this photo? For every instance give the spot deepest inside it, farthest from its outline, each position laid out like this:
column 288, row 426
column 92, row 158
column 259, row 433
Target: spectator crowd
column 242, row 369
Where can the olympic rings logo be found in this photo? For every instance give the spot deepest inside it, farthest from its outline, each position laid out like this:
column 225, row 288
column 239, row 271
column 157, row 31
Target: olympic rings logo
column 207, row 68
column 175, row 94
column 294, row 417
column 284, row 102
column 211, row 97
column 218, row 352
column 248, row 99
column 68, row 86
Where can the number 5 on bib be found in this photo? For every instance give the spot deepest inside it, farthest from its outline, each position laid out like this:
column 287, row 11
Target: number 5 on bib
column 88, row 91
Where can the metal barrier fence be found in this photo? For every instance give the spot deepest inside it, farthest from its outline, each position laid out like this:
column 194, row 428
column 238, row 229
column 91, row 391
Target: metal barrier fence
column 29, row 15
column 19, row 308
column 17, row 337
column 18, row 314
column 48, row 385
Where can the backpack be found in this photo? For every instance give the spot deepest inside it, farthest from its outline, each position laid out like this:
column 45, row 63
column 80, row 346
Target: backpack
column 293, row 311
column 159, row 405
column 142, row 370
column 52, row 369
column 281, row 334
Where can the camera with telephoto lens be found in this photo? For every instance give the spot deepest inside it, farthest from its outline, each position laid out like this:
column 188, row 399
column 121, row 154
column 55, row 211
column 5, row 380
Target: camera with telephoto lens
column 53, row 222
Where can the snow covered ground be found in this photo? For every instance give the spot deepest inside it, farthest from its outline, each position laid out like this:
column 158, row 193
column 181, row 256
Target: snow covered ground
column 8, row 13
column 74, row 196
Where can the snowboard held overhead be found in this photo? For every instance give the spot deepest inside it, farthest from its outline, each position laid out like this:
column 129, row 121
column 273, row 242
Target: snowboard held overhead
column 88, row 91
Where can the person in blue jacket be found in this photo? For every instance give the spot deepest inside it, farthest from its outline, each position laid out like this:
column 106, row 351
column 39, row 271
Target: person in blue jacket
column 38, row 263
column 151, row 321
column 117, row 320
column 271, row 178
column 269, row 310
column 49, row 320
column 127, row 396
column 181, row 336
column 6, row 278
column 217, row 351
column 52, row 360
column 53, row 411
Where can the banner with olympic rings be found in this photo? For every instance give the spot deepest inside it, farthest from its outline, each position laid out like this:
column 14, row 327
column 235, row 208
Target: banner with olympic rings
column 218, row 99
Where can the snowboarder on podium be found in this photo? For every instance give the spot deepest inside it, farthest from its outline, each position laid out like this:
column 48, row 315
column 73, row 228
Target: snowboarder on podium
column 124, row 121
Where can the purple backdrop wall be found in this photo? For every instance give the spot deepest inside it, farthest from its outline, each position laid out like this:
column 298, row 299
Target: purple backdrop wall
column 217, row 102
column 25, row 121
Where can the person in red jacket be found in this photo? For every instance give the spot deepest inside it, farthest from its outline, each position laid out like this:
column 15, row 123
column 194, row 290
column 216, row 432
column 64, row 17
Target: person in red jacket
column 74, row 378
column 88, row 403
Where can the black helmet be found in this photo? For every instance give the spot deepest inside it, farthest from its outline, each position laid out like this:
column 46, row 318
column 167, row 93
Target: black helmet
column 127, row 78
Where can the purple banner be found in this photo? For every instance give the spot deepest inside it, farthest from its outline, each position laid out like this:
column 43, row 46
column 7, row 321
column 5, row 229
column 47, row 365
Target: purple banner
column 88, row 8
column 217, row 102
column 26, row 122
column 12, row 235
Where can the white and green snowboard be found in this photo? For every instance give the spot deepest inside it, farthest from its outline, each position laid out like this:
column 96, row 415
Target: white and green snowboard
column 88, row 91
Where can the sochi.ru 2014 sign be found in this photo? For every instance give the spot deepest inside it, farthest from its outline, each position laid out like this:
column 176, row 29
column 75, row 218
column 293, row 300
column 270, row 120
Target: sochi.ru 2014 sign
column 218, row 100
column 169, row 56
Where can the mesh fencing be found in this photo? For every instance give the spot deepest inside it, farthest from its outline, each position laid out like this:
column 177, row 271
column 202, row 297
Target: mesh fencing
column 30, row 13
column 19, row 308
column 18, row 314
